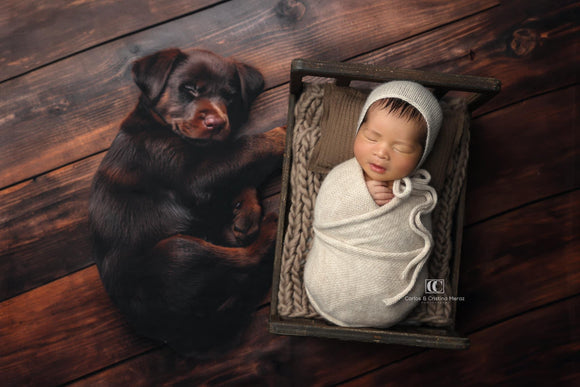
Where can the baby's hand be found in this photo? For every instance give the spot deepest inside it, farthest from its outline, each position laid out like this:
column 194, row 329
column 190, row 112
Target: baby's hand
column 380, row 191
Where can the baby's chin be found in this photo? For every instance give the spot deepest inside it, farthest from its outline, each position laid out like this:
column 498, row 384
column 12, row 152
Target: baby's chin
column 382, row 177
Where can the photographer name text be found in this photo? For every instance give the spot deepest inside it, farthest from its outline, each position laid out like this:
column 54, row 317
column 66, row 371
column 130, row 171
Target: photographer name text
column 435, row 298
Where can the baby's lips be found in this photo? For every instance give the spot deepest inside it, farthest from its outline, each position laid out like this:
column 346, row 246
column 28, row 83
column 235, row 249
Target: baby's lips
column 377, row 168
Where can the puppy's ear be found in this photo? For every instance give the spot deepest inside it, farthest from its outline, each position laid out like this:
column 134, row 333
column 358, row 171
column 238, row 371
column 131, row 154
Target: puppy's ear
column 252, row 83
column 151, row 72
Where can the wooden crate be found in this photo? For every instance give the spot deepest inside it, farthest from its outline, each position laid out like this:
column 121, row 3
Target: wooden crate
column 478, row 90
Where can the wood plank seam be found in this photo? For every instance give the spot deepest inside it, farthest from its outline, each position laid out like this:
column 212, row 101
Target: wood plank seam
column 527, row 98
column 426, row 32
column 117, row 53
column 490, row 326
column 520, row 207
column 110, row 39
column 283, row 85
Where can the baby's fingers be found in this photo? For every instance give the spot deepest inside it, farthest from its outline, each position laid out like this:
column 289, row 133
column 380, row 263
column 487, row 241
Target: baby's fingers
column 382, row 198
column 384, row 195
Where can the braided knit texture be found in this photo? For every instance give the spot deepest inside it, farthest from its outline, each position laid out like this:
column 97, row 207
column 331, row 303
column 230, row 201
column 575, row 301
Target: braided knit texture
column 304, row 186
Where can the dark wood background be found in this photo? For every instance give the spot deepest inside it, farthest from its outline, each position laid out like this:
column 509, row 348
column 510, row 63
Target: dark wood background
column 65, row 85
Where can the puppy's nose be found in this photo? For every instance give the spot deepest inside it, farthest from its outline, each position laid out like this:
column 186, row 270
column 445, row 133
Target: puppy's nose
column 214, row 122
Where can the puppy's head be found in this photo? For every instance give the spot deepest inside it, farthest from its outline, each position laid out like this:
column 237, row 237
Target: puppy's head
column 246, row 216
column 202, row 96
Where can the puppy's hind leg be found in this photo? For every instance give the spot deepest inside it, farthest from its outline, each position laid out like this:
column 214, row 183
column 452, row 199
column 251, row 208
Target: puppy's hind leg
column 209, row 292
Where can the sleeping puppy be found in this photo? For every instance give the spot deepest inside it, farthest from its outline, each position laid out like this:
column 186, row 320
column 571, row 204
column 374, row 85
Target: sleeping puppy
column 177, row 227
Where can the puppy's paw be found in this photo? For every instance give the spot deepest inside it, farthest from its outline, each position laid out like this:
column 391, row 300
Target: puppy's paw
column 270, row 220
column 269, row 228
column 277, row 136
column 280, row 130
column 278, row 133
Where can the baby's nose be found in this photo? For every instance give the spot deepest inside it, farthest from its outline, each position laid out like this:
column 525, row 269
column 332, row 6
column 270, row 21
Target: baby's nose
column 382, row 152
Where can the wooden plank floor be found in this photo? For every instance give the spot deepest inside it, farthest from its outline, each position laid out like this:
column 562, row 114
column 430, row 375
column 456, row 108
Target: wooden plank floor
column 65, row 86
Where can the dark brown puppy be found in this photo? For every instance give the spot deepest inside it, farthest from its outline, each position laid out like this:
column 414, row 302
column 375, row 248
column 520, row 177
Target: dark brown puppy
column 173, row 204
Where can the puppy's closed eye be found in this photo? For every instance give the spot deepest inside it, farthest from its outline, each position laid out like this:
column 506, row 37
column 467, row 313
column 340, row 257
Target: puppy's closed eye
column 192, row 90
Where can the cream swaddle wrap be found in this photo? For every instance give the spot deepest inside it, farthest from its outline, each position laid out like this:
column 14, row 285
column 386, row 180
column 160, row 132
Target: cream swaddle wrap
column 366, row 261
column 367, row 266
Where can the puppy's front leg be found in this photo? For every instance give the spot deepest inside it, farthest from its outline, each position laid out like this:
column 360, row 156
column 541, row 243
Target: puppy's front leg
column 262, row 148
column 188, row 250
column 244, row 162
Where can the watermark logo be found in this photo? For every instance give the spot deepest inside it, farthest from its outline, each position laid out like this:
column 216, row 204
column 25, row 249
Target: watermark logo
column 435, row 292
column 434, row 286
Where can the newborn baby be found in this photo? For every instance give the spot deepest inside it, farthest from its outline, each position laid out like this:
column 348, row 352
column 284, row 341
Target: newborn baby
column 372, row 225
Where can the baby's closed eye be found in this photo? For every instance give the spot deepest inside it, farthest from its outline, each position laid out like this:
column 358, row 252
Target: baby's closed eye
column 404, row 148
column 371, row 137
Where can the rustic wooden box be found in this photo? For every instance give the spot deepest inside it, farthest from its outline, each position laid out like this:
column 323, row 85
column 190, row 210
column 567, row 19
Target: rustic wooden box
column 477, row 91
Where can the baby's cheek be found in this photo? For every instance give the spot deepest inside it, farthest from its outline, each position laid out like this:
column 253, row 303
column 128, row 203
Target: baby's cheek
column 408, row 165
column 360, row 150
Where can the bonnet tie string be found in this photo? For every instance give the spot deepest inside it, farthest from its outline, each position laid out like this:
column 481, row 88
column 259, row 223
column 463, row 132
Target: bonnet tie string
column 401, row 189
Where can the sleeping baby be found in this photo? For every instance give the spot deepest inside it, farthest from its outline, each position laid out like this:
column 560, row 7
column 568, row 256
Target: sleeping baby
column 372, row 224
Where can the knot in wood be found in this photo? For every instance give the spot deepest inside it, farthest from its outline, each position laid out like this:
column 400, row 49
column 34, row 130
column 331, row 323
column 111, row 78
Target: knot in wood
column 524, row 41
column 290, row 10
column 134, row 49
column 59, row 107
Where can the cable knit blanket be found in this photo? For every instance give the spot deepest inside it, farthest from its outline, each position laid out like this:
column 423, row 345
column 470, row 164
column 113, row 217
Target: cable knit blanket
column 367, row 263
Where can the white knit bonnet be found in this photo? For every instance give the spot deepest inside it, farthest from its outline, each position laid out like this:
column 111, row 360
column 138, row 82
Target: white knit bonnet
column 417, row 96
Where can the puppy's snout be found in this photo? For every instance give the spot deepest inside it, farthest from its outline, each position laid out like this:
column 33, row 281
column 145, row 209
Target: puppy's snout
column 213, row 115
column 214, row 122
column 245, row 231
column 244, row 224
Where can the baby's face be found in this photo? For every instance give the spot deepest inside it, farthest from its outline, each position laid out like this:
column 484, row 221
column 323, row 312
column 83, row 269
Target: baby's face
column 387, row 147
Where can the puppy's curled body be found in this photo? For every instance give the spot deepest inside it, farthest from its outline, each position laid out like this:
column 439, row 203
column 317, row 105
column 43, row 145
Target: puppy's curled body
column 177, row 249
